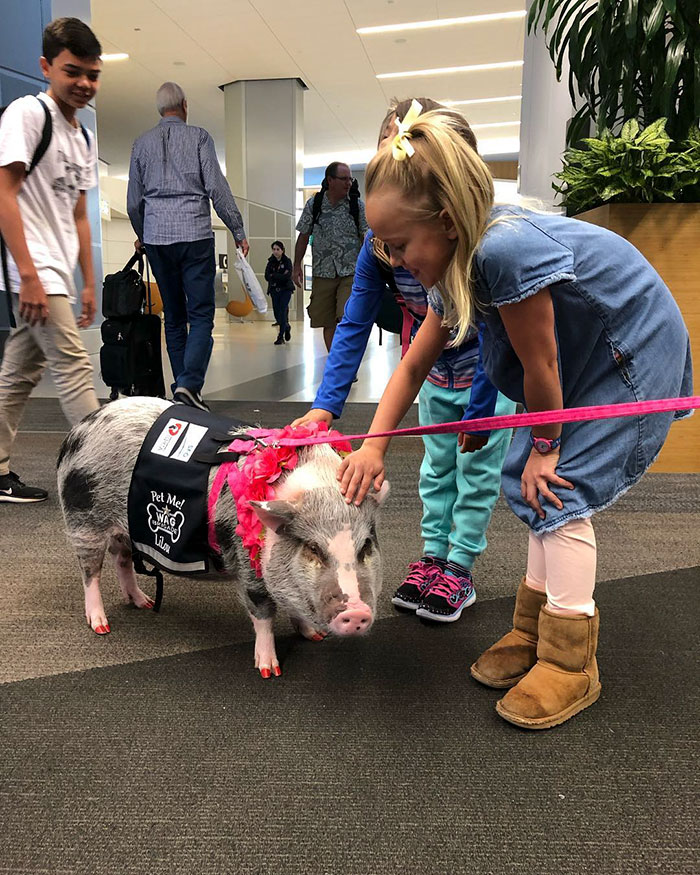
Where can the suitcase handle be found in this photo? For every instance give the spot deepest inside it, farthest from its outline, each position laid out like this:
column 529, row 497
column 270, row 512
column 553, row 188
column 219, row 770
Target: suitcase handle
column 149, row 303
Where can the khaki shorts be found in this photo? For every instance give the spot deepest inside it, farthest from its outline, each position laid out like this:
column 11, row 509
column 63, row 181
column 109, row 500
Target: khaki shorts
column 328, row 300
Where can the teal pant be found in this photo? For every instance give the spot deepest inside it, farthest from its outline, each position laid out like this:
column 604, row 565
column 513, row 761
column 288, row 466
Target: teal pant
column 458, row 490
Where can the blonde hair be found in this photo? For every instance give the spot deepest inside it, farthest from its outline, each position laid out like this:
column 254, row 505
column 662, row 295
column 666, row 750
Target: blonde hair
column 445, row 173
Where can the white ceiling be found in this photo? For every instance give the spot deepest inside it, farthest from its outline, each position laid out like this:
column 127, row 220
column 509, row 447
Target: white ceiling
column 202, row 44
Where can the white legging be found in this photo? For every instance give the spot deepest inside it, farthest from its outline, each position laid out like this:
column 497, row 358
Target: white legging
column 562, row 563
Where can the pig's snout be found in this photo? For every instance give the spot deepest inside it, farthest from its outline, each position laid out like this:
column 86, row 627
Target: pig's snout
column 356, row 619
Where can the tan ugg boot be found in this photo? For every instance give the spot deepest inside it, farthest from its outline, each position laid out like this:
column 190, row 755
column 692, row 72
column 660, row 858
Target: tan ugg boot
column 565, row 678
column 512, row 657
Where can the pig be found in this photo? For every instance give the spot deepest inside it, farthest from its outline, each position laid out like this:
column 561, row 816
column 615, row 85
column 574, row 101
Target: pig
column 320, row 558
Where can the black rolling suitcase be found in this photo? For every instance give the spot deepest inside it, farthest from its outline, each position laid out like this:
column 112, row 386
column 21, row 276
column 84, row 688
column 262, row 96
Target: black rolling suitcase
column 130, row 357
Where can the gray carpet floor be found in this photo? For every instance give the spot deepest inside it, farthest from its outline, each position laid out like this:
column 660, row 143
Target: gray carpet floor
column 159, row 749
column 368, row 756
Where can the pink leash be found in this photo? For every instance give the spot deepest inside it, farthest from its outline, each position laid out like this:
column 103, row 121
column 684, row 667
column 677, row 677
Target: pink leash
column 516, row 420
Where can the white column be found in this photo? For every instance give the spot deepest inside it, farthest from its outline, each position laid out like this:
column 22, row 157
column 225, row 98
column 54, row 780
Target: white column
column 545, row 112
column 265, row 166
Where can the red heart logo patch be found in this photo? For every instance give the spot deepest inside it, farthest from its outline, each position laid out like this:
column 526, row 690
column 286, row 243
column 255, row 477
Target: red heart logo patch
column 175, row 428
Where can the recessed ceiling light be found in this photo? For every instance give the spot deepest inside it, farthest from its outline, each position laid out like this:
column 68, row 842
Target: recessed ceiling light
column 441, row 22
column 115, row 56
column 494, row 125
column 179, row 64
column 479, row 100
column 436, row 71
column 400, row 40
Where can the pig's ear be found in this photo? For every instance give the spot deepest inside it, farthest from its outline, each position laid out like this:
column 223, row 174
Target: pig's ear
column 273, row 514
column 381, row 496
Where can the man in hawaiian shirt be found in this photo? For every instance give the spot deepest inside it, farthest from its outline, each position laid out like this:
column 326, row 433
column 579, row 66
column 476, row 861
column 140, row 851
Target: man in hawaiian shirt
column 337, row 238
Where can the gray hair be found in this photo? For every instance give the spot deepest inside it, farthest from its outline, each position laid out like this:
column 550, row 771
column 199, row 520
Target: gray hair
column 169, row 97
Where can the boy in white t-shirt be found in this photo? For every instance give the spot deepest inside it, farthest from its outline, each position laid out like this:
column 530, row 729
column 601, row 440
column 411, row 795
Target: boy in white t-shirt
column 44, row 223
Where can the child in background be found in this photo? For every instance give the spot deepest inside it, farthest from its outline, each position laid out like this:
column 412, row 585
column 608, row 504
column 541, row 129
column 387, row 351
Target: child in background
column 458, row 491
column 574, row 316
column 280, row 286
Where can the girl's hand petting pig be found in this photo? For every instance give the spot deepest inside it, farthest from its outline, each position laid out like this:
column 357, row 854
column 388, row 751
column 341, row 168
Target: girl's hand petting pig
column 359, row 471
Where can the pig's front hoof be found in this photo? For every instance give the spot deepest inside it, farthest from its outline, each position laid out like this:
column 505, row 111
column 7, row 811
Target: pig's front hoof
column 308, row 631
column 267, row 665
column 98, row 623
column 139, row 599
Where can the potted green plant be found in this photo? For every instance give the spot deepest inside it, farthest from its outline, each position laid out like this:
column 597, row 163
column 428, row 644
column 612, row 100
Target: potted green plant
column 639, row 166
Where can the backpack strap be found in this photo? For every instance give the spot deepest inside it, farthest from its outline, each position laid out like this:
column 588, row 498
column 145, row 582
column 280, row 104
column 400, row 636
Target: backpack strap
column 317, row 205
column 45, row 140
column 354, row 197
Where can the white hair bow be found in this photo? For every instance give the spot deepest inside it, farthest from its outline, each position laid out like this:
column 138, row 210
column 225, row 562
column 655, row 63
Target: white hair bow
column 401, row 147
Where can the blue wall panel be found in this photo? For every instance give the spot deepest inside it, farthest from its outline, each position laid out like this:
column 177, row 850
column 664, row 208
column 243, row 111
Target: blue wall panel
column 20, row 35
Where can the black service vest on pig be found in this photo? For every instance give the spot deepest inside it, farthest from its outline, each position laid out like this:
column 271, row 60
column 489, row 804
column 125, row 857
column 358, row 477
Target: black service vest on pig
column 167, row 504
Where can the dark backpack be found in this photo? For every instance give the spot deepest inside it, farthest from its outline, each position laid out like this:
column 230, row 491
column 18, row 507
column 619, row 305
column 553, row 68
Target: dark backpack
column 39, row 152
column 353, row 196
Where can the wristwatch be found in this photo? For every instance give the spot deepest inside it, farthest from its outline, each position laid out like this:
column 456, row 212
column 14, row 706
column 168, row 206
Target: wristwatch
column 545, row 445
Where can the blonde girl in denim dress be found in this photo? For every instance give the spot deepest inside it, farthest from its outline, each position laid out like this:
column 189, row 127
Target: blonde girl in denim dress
column 575, row 316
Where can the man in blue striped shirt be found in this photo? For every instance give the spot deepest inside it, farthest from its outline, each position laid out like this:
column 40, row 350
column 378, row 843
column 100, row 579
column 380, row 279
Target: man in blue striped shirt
column 173, row 177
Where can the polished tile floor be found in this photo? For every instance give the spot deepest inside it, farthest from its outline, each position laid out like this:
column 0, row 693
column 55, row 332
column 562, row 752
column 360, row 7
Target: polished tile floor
column 246, row 365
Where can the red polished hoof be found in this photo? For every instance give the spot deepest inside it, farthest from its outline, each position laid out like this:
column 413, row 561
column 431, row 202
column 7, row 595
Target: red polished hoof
column 317, row 637
column 102, row 630
column 276, row 670
column 265, row 672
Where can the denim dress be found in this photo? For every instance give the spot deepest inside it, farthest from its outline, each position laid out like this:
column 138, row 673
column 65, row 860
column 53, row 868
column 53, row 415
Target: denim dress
column 620, row 338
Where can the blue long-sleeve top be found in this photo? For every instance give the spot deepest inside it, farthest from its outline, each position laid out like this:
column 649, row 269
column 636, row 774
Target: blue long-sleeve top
column 457, row 367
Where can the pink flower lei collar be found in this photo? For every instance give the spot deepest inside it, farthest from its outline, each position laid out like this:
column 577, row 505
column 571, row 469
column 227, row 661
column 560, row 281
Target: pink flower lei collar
column 253, row 478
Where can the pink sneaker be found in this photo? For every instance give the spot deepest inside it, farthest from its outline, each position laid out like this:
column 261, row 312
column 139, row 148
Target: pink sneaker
column 420, row 576
column 446, row 597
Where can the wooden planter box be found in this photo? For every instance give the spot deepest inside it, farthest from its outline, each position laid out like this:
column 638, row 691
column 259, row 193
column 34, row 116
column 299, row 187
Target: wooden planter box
column 668, row 235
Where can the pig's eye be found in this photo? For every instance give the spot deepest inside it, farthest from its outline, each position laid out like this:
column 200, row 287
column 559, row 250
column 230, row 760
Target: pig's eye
column 366, row 551
column 312, row 553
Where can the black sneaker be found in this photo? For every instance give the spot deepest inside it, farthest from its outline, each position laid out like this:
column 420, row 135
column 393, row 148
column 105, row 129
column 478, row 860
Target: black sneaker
column 12, row 489
column 447, row 596
column 288, row 333
column 418, row 580
column 183, row 395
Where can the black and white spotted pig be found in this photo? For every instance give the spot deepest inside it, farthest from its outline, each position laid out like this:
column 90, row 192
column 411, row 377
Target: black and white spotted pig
column 320, row 559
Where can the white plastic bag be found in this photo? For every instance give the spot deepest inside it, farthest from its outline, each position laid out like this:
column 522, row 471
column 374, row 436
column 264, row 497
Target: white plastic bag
column 250, row 283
